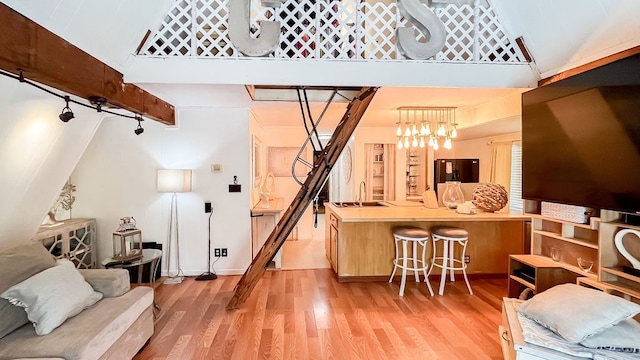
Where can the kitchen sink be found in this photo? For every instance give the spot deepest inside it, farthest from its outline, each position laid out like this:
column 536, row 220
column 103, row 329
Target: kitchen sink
column 357, row 204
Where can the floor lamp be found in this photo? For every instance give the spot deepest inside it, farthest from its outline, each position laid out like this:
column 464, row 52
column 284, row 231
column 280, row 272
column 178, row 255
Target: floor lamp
column 173, row 181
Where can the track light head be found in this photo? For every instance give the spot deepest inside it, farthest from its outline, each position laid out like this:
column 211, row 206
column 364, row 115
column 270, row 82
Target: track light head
column 66, row 113
column 139, row 130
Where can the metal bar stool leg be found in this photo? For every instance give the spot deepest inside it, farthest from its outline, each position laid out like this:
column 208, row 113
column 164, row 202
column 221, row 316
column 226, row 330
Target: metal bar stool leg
column 445, row 259
column 424, row 265
column 414, row 261
column 404, row 267
column 395, row 261
column 464, row 267
column 452, row 263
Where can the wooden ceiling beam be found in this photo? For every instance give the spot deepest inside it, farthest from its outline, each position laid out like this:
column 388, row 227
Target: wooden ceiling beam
column 50, row 60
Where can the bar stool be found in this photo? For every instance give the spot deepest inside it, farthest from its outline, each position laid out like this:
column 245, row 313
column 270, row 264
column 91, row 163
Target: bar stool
column 449, row 237
column 417, row 236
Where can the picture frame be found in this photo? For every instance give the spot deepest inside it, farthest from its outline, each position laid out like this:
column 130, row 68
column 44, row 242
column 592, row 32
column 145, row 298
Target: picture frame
column 256, row 159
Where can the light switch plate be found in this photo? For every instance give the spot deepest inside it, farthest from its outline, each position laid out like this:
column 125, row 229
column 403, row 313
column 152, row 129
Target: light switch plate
column 216, row 168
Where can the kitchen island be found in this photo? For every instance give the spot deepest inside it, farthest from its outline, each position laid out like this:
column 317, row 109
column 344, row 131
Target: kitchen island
column 360, row 247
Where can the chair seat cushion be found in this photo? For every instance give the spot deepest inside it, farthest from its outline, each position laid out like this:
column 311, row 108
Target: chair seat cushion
column 411, row 232
column 450, row 232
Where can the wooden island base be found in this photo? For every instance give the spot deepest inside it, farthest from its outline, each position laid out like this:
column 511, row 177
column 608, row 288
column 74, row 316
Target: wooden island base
column 360, row 243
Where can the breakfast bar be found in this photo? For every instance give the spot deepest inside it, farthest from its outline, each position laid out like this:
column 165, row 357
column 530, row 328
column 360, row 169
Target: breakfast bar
column 360, row 246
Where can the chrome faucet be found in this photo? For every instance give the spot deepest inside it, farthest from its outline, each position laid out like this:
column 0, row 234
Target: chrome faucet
column 363, row 188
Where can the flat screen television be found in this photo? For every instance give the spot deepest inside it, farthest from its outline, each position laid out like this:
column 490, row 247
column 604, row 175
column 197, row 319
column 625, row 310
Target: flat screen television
column 581, row 139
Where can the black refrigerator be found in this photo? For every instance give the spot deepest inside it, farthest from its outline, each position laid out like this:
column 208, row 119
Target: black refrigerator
column 463, row 170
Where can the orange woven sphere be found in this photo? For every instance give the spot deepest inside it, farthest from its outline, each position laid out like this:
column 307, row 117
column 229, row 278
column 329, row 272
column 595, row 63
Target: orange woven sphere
column 490, row 197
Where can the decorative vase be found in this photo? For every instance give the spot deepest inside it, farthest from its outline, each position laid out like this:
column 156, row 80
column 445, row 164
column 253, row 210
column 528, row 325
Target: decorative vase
column 452, row 195
column 618, row 240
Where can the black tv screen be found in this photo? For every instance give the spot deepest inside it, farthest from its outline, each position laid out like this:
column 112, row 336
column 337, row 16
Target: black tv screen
column 581, row 141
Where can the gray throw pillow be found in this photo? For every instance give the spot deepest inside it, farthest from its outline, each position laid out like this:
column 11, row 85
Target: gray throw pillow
column 52, row 296
column 576, row 312
column 17, row 264
column 623, row 336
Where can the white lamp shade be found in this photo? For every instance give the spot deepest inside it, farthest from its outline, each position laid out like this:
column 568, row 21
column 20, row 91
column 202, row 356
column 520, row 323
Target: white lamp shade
column 174, row 180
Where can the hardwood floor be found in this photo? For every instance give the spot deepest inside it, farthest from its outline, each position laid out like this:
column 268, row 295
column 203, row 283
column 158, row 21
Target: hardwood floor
column 307, row 314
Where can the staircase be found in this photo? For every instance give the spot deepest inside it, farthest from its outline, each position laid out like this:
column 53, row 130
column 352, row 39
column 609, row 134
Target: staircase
column 315, row 180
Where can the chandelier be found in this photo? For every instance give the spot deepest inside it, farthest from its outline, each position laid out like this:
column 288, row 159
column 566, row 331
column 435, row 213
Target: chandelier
column 421, row 126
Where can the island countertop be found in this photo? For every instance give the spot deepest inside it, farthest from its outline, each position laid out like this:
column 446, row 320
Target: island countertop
column 414, row 211
column 359, row 240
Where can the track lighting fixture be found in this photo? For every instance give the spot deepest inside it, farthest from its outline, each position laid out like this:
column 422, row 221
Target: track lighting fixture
column 98, row 103
column 66, row 113
column 139, row 130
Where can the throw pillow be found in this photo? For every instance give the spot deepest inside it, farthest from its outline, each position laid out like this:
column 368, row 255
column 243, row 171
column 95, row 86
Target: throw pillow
column 17, row 264
column 623, row 336
column 52, row 296
column 575, row 312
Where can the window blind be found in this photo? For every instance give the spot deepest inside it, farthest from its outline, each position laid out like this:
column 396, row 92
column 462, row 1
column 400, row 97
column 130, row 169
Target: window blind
column 515, row 201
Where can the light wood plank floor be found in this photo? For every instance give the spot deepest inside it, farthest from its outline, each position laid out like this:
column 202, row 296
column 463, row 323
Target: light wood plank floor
column 307, row 314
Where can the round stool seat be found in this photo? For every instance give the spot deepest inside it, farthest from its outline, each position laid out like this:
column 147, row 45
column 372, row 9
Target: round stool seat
column 411, row 232
column 450, row 232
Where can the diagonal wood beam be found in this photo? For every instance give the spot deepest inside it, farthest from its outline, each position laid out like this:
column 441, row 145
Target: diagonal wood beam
column 50, row 60
column 313, row 183
column 590, row 66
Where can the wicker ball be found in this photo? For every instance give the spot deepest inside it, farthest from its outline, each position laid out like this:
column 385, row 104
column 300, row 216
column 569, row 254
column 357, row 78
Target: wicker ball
column 490, row 197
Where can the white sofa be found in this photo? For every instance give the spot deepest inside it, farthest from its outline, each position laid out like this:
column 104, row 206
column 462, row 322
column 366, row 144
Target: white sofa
column 116, row 327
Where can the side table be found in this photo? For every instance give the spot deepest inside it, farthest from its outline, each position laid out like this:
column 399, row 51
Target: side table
column 149, row 256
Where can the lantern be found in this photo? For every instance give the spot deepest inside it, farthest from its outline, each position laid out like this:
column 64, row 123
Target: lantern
column 127, row 241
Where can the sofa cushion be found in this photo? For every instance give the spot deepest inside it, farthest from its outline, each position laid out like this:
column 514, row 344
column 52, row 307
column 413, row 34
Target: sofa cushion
column 52, row 296
column 109, row 282
column 85, row 336
column 16, row 265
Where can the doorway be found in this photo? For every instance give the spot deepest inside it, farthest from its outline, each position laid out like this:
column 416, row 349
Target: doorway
column 306, row 253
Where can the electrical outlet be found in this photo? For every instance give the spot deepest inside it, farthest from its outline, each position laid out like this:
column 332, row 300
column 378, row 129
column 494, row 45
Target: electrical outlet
column 207, row 207
column 216, row 252
column 467, row 259
column 224, row 252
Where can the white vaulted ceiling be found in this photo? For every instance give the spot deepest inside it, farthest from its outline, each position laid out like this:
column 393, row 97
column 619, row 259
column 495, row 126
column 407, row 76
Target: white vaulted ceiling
column 558, row 34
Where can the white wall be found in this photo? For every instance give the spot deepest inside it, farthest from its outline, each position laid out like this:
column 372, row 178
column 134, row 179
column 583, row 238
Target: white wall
column 37, row 154
column 286, row 187
column 255, row 133
column 116, row 177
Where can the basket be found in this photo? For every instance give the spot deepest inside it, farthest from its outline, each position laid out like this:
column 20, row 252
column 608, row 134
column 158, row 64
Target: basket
column 571, row 213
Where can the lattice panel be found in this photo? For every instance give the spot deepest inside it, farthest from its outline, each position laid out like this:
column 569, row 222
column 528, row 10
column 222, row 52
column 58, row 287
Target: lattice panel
column 211, row 32
column 458, row 20
column 337, row 29
column 347, row 29
column 80, row 247
column 298, row 22
column 174, row 36
column 377, row 28
column 493, row 45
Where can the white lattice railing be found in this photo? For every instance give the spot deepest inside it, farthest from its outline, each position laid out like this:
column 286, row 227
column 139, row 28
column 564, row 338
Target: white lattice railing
column 330, row 29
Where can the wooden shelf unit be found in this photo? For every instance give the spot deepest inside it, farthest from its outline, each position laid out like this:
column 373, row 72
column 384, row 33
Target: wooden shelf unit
column 375, row 175
column 611, row 261
column 416, row 172
column 594, row 241
column 573, row 239
column 546, row 273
